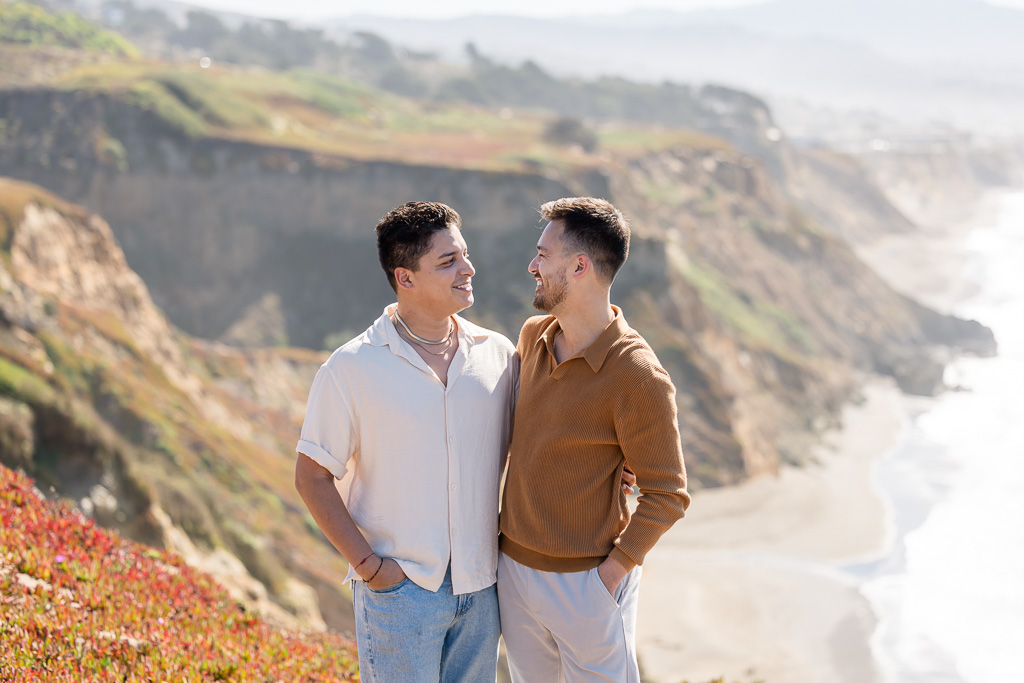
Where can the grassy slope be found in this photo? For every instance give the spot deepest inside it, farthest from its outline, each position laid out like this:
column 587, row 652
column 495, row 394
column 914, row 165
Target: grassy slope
column 310, row 110
column 31, row 25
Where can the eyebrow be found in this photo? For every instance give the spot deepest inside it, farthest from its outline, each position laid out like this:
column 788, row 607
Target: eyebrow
column 447, row 255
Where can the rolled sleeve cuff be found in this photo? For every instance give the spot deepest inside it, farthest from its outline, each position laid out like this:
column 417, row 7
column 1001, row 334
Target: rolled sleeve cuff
column 321, row 457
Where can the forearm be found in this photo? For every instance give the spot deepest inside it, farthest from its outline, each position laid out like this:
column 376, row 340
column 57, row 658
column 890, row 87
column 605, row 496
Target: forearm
column 651, row 446
column 655, row 514
column 317, row 490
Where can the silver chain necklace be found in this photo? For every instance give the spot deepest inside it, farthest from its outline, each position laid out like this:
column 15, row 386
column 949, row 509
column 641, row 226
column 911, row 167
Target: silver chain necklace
column 447, row 337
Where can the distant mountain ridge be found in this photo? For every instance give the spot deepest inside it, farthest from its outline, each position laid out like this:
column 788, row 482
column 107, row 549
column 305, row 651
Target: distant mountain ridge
column 937, row 31
column 961, row 61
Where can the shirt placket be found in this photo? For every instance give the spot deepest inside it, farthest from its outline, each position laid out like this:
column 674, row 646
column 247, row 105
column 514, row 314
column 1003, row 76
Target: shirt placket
column 455, row 532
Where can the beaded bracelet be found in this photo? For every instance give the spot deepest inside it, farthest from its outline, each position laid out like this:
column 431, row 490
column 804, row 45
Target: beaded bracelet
column 376, row 572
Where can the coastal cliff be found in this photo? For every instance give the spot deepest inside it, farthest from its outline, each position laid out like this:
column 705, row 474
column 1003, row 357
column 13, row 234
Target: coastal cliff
column 764, row 316
column 120, row 389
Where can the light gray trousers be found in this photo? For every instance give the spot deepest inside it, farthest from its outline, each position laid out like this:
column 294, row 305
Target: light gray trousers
column 566, row 628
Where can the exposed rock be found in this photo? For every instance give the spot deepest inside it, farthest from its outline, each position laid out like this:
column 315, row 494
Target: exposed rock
column 17, row 442
column 229, row 571
column 262, row 324
column 78, row 261
column 31, row 583
column 841, row 195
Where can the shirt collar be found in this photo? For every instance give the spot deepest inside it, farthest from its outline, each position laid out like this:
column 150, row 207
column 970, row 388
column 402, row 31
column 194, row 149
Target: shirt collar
column 596, row 353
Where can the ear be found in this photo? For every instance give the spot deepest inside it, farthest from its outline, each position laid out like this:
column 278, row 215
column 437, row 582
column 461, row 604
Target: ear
column 582, row 266
column 403, row 277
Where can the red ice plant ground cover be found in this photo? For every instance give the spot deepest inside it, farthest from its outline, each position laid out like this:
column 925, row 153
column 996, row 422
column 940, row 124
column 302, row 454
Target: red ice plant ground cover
column 78, row 603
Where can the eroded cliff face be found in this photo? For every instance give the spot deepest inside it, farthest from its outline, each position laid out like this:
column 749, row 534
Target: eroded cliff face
column 938, row 183
column 101, row 398
column 836, row 192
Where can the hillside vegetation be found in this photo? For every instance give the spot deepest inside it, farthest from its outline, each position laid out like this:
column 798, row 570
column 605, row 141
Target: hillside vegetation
column 83, row 604
column 30, row 25
column 310, row 110
column 367, row 58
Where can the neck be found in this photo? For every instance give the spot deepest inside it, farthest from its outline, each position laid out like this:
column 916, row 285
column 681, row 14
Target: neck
column 424, row 324
column 583, row 323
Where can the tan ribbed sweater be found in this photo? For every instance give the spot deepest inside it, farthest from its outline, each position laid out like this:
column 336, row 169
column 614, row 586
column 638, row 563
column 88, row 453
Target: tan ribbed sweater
column 577, row 425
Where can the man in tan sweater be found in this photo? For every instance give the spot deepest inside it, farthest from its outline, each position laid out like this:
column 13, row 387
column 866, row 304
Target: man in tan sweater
column 593, row 400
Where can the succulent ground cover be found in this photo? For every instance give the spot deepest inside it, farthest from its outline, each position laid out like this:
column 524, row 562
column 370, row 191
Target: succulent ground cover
column 79, row 603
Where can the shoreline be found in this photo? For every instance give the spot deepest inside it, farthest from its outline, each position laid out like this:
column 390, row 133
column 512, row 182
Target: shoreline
column 913, row 644
column 750, row 584
column 762, row 581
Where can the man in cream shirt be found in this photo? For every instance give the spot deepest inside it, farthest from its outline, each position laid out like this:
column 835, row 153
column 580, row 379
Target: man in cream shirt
column 412, row 418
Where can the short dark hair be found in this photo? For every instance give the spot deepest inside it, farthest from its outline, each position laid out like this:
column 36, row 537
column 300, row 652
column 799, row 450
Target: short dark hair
column 404, row 234
column 594, row 227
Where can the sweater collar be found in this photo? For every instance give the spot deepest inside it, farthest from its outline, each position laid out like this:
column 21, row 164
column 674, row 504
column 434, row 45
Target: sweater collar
column 596, row 353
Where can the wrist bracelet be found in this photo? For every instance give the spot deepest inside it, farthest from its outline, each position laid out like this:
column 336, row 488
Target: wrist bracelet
column 363, row 560
column 376, row 572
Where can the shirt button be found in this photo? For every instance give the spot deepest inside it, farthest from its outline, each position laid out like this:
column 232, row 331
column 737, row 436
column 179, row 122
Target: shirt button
column 453, row 487
column 451, row 439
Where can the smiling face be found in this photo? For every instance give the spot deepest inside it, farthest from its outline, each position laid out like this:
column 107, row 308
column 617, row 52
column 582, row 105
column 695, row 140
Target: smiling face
column 442, row 283
column 548, row 267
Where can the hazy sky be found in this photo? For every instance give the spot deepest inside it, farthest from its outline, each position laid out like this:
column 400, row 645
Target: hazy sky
column 439, row 9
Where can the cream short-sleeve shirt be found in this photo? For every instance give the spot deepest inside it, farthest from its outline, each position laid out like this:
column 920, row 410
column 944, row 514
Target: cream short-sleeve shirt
column 418, row 463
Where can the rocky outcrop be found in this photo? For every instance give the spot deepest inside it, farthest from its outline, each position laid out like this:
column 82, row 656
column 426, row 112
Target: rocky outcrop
column 838, row 193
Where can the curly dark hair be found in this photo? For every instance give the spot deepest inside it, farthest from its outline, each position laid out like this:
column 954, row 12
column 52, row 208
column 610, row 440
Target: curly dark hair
column 404, row 234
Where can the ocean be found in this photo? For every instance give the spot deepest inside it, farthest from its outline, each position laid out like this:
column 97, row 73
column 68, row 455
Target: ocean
column 949, row 593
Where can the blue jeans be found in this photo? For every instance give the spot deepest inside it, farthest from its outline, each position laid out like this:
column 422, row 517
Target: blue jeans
column 406, row 634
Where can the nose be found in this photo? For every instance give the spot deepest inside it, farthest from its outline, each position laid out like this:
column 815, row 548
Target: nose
column 533, row 265
column 467, row 267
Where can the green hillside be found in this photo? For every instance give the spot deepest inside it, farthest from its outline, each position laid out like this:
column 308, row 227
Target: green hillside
column 30, row 25
column 307, row 109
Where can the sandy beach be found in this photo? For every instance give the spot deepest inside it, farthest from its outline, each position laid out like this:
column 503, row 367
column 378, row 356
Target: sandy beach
column 746, row 586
